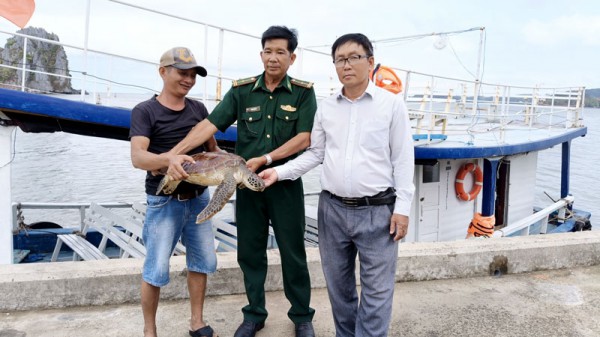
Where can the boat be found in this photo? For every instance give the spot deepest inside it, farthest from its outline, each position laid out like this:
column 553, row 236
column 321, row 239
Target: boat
column 46, row 113
column 476, row 150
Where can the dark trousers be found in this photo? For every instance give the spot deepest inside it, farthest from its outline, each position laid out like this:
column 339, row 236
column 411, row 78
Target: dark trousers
column 283, row 204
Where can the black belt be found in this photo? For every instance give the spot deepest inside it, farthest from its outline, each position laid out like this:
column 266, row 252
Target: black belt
column 187, row 196
column 386, row 197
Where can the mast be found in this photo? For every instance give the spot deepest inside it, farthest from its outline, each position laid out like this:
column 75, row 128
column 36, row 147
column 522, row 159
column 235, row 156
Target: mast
column 85, row 49
column 477, row 72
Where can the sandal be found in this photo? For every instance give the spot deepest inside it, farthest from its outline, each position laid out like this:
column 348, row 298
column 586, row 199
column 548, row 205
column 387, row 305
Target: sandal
column 206, row 331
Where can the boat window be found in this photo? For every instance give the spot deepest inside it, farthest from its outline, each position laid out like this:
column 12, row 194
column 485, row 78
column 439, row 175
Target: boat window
column 431, row 173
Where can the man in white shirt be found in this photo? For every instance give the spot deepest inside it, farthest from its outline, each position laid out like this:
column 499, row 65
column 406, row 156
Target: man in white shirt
column 362, row 136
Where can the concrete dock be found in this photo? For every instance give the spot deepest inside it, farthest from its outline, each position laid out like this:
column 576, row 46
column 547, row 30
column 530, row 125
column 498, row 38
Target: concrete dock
column 527, row 286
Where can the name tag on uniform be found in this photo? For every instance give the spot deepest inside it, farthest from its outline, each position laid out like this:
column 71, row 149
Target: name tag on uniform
column 253, row 109
column 288, row 108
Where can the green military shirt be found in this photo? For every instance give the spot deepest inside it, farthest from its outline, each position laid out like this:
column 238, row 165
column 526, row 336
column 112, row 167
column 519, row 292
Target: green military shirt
column 265, row 119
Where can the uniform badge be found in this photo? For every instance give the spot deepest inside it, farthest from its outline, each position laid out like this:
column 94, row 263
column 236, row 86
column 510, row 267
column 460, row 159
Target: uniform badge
column 288, row 108
column 253, row 109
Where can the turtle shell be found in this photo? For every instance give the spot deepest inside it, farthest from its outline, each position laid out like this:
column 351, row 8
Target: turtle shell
column 212, row 161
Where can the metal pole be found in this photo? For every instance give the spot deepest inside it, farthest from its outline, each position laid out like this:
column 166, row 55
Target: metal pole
column 480, row 55
column 220, row 64
column 300, row 62
column 85, row 49
column 411, row 37
column 205, row 93
column 565, row 169
column 477, row 75
column 24, row 72
column 406, row 85
column 6, row 216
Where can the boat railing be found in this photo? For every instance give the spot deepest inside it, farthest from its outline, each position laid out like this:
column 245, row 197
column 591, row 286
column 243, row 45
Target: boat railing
column 102, row 74
column 523, row 226
column 434, row 102
column 82, row 208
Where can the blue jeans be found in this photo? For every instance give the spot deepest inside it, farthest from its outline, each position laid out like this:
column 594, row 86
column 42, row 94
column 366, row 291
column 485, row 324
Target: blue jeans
column 168, row 219
column 345, row 232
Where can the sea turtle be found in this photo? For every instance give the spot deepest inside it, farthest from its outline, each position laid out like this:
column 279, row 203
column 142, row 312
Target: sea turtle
column 221, row 169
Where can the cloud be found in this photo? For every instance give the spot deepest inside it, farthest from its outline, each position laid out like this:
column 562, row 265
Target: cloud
column 575, row 28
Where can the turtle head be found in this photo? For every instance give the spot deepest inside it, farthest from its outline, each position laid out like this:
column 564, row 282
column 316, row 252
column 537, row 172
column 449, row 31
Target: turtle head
column 254, row 182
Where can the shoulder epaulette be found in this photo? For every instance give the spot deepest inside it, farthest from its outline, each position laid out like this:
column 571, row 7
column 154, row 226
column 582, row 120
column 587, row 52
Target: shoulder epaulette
column 244, row 81
column 304, row 84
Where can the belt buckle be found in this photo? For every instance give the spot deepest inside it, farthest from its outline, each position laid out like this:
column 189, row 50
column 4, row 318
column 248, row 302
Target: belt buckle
column 180, row 199
column 353, row 202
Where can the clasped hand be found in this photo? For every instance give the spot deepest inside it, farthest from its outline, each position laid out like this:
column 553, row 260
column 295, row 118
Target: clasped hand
column 269, row 176
column 175, row 169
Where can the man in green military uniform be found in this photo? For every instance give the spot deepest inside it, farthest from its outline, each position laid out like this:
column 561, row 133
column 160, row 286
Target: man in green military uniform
column 274, row 115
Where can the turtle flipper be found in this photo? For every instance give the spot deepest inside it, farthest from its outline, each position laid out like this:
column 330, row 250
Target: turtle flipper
column 219, row 198
column 167, row 185
column 252, row 180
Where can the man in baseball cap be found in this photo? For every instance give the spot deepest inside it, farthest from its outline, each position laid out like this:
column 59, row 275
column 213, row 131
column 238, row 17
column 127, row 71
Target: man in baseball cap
column 157, row 125
column 181, row 58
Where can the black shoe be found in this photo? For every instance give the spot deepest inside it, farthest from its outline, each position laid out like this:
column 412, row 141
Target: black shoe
column 305, row 329
column 248, row 329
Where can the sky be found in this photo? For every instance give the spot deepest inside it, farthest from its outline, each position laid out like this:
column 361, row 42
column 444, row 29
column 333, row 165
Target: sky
column 529, row 42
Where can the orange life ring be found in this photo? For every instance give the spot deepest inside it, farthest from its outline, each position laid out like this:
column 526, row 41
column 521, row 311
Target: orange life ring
column 386, row 78
column 477, row 183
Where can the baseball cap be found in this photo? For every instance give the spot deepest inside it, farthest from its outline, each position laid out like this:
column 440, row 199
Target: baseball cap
column 181, row 58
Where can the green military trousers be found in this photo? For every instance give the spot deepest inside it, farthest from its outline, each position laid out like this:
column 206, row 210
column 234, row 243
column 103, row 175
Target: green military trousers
column 283, row 204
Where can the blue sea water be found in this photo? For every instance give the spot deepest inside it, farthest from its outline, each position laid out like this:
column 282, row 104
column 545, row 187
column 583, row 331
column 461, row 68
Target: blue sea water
column 63, row 167
column 584, row 178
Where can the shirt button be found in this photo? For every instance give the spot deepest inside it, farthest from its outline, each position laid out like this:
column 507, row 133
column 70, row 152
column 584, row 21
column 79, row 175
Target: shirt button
column 286, row 117
column 270, row 97
column 268, row 136
column 269, row 116
column 250, row 119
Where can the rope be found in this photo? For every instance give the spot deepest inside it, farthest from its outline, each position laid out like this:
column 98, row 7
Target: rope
column 21, row 225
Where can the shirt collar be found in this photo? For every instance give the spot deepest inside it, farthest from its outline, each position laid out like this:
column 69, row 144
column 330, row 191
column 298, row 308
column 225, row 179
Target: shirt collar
column 260, row 83
column 369, row 92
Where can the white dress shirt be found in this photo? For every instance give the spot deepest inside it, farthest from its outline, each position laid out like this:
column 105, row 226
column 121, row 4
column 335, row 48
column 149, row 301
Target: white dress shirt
column 365, row 146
